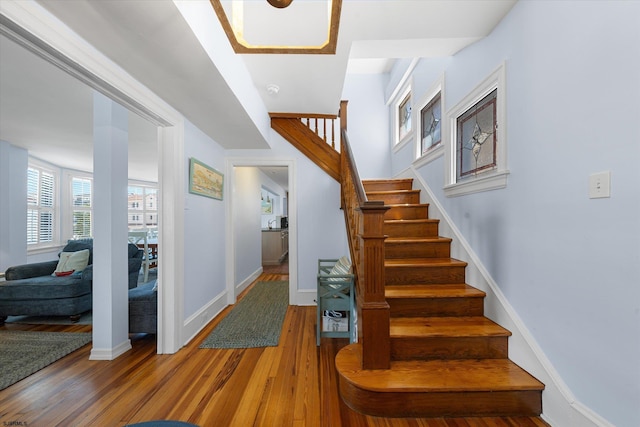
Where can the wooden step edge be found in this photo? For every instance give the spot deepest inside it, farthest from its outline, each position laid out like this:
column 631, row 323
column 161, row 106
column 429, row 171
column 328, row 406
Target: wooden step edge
column 386, row 181
column 411, row 221
column 435, row 376
column 390, row 192
column 445, row 327
column 404, row 240
column 423, row 262
column 408, row 205
column 433, row 291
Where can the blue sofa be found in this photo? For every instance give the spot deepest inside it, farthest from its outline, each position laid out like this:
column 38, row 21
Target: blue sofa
column 31, row 289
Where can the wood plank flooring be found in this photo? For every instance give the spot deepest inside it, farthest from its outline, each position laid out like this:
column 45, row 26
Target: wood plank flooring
column 294, row 384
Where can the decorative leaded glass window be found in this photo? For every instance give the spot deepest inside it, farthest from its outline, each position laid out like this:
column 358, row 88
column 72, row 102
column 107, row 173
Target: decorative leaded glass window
column 404, row 117
column 430, row 119
column 476, row 137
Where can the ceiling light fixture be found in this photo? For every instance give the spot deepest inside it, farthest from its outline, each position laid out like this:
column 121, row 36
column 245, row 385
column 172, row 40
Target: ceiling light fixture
column 273, row 89
column 280, row 4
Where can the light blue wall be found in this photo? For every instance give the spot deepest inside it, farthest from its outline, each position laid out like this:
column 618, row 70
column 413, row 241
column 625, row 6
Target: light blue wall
column 246, row 214
column 368, row 124
column 204, row 228
column 569, row 265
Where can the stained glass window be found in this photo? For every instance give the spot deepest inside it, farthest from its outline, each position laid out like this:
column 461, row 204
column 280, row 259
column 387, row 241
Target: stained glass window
column 430, row 119
column 476, row 137
column 404, row 117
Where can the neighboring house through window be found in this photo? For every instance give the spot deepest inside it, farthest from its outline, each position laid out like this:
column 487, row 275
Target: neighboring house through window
column 143, row 206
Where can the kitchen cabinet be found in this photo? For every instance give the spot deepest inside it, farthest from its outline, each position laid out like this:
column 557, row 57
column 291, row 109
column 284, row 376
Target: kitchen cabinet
column 275, row 246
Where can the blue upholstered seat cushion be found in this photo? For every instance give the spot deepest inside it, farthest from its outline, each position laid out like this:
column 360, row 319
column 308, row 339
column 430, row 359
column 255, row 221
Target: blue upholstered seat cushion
column 44, row 287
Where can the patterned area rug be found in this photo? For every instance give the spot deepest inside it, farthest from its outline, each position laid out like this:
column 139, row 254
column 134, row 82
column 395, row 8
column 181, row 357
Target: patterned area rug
column 255, row 321
column 23, row 353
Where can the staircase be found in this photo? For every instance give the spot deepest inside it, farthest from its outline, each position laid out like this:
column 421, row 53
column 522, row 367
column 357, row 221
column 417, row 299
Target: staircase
column 447, row 359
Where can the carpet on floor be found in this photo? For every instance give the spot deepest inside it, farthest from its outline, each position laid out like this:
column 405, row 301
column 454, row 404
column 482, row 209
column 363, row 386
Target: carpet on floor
column 22, row 353
column 255, row 321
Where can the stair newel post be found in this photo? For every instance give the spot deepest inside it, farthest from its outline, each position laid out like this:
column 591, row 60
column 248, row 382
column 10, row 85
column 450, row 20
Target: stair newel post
column 374, row 309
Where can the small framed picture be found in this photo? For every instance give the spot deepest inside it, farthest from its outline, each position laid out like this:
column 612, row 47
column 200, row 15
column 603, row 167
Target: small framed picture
column 204, row 180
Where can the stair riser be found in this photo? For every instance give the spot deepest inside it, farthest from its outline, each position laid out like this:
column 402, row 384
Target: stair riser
column 436, row 307
column 442, row 404
column 390, row 185
column 419, row 229
column 395, row 275
column 395, row 198
column 426, row 348
column 440, row 249
column 407, row 212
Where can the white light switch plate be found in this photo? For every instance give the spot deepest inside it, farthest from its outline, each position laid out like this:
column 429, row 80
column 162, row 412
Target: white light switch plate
column 600, row 185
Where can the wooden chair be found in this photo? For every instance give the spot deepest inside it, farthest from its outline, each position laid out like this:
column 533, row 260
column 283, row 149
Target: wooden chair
column 140, row 239
column 335, row 293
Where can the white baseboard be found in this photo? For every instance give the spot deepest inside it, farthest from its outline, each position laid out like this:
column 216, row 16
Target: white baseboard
column 197, row 321
column 559, row 404
column 110, row 353
column 306, row 297
column 249, row 280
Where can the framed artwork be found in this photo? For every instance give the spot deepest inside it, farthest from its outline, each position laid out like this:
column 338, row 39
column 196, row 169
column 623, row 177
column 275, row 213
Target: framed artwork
column 204, row 180
column 476, row 132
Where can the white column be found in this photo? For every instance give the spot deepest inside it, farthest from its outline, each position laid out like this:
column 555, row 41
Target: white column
column 13, row 205
column 110, row 277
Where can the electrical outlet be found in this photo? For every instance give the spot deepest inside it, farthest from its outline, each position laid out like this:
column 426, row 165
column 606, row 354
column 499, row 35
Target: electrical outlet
column 600, row 185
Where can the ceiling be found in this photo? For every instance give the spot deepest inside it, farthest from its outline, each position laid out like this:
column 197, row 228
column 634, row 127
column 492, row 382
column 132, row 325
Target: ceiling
column 49, row 112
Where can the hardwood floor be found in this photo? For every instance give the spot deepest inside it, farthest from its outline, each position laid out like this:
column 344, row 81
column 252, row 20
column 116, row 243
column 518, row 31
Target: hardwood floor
column 294, row 384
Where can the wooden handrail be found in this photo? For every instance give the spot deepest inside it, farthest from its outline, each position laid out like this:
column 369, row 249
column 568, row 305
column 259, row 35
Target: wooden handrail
column 323, row 125
column 365, row 220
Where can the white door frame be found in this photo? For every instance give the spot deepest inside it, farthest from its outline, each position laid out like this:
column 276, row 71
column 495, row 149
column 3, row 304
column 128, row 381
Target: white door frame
column 232, row 163
column 33, row 27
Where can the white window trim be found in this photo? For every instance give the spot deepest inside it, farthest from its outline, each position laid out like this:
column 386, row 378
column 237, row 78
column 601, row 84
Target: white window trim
column 55, row 238
column 497, row 177
column 397, row 141
column 438, row 150
column 68, row 201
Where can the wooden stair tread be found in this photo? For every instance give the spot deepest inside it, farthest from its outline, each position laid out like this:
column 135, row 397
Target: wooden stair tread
column 435, row 376
column 410, row 221
column 420, row 327
column 424, row 262
column 433, row 291
column 400, row 240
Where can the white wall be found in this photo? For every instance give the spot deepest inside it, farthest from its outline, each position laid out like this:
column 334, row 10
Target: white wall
column 246, row 212
column 569, row 265
column 204, row 222
column 13, row 205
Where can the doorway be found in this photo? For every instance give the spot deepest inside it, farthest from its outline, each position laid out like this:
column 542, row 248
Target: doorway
column 245, row 224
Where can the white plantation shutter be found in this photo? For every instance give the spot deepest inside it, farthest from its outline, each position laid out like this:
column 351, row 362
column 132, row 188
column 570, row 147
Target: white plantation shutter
column 41, row 203
column 81, row 201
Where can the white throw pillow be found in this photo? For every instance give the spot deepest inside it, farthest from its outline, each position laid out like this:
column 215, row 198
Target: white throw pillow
column 72, row 262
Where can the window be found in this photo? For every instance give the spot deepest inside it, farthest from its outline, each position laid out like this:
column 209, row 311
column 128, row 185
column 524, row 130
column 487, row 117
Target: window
column 430, row 124
column 477, row 150
column 404, row 117
column 41, row 193
column 81, row 207
column 143, row 207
